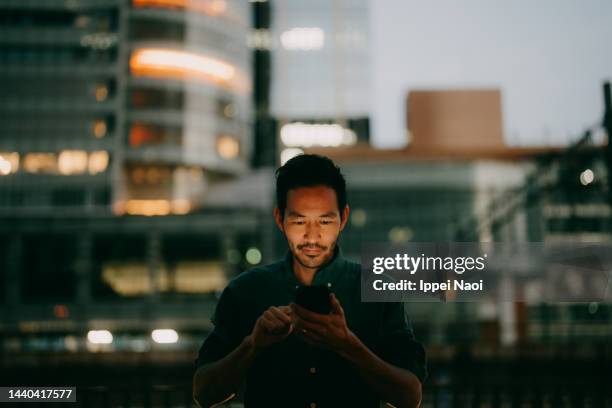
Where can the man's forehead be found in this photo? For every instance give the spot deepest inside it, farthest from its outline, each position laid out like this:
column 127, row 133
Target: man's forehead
column 315, row 196
column 321, row 199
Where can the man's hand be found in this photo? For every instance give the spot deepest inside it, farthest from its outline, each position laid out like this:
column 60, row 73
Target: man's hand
column 328, row 331
column 273, row 325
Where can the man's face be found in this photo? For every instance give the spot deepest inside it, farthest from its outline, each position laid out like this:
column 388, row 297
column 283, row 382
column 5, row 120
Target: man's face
column 312, row 224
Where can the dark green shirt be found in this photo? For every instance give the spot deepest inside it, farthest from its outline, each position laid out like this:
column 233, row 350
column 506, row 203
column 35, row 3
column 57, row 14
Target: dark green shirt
column 291, row 373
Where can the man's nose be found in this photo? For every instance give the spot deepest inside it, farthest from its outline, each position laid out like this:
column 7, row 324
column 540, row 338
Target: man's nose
column 312, row 232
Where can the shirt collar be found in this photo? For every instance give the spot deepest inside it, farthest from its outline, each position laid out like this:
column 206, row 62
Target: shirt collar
column 324, row 276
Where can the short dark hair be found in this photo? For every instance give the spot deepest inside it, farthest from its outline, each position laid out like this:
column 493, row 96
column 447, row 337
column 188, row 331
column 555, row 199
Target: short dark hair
column 308, row 170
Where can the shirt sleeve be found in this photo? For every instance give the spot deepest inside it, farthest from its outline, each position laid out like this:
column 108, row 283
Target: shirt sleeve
column 396, row 343
column 225, row 336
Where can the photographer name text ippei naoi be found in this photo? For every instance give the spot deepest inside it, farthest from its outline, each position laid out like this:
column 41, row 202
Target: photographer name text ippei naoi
column 412, row 264
column 428, row 287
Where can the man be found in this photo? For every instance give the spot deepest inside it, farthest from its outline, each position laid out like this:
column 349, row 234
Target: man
column 355, row 356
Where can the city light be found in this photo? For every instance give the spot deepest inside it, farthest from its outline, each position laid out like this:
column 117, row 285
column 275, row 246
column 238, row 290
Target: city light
column 9, row 163
column 210, row 7
column 177, row 64
column 260, row 39
column 358, row 217
column 398, row 235
column 253, row 256
column 99, row 129
column 101, row 92
column 99, row 337
column 40, row 163
column 303, row 38
column 289, row 153
column 307, row 135
column 5, row 166
column 147, row 207
column 164, row 336
column 228, row 147
column 587, row 177
column 181, row 206
column 98, row 162
column 72, row 162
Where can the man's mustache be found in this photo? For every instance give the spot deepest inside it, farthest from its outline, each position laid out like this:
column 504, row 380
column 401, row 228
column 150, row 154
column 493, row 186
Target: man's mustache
column 312, row 246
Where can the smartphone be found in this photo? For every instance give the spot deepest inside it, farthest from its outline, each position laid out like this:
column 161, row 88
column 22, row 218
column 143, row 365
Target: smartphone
column 314, row 298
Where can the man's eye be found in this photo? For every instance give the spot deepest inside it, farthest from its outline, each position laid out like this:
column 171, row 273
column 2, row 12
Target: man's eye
column 298, row 222
column 326, row 222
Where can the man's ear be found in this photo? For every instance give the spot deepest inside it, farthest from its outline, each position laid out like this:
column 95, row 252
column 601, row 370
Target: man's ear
column 345, row 215
column 278, row 219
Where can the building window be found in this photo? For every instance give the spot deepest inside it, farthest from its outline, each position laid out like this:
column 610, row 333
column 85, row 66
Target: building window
column 146, row 29
column 68, row 197
column 120, row 266
column 48, row 267
column 228, row 147
column 40, row 163
column 72, row 162
column 144, row 98
column 192, row 264
column 146, row 135
column 9, row 163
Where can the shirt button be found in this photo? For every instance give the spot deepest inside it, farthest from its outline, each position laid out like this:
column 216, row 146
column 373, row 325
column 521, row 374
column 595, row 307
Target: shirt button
column 313, row 405
column 313, row 370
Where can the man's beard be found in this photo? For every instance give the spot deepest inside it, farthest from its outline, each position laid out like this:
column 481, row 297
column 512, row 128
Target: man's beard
column 327, row 253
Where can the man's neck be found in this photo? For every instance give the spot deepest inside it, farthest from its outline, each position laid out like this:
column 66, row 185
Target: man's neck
column 303, row 274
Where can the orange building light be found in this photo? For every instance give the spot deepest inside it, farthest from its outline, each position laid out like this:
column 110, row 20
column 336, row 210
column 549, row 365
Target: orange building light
column 175, row 64
column 210, row 7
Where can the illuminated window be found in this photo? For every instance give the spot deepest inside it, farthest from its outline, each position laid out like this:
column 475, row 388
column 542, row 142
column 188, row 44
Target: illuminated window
column 192, row 264
column 138, row 175
column 99, row 129
column 101, row 92
column 228, row 147
column 119, row 265
column 303, row 38
column 143, row 135
column 40, row 163
column 98, row 162
column 129, row 278
column 307, row 135
column 210, row 7
column 260, row 39
column 148, row 207
column 161, row 63
column 180, row 206
column 9, row 163
column 72, row 162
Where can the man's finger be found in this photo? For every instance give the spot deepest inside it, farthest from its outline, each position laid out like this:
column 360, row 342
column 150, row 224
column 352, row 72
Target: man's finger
column 271, row 323
column 311, row 326
column 336, row 306
column 280, row 315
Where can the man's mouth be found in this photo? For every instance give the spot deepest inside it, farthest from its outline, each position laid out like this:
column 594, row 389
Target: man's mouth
column 311, row 250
